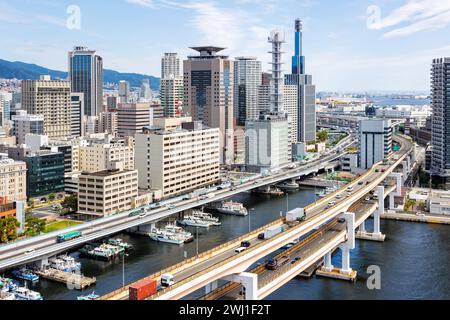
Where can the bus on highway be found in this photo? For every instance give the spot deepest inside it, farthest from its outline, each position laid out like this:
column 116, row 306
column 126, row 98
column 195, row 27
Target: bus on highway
column 68, row 236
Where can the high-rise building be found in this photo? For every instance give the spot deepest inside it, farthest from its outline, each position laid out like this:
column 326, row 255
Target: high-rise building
column 77, row 114
column 107, row 122
column 13, row 175
column 124, row 91
column 375, row 141
column 268, row 138
column 290, row 105
column 5, row 107
column 111, row 103
column 86, row 76
column 172, row 96
column 52, row 99
column 170, row 65
column 177, row 155
column 208, row 93
column 247, row 79
column 440, row 121
column 306, row 111
column 145, row 95
column 131, row 118
column 24, row 124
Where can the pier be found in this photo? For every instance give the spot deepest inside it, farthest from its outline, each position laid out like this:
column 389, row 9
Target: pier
column 77, row 281
column 427, row 218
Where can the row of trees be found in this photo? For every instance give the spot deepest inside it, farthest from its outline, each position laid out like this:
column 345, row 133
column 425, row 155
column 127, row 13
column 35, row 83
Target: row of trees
column 8, row 228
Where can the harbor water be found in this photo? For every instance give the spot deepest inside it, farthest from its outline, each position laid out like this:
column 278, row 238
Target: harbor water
column 413, row 260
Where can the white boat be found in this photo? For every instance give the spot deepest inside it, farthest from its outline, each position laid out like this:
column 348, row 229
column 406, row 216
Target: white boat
column 64, row 263
column 192, row 221
column 288, row 185
column 7, row 296
column 187, row 236
column 23, row 293
column 233, row 208
column 204, row 216
column 163, row 236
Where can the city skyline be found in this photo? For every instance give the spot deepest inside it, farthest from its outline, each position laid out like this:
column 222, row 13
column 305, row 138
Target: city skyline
column 346, row 44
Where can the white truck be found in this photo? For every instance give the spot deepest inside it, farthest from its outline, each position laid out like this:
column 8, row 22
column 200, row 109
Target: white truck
column 167, row 280
column 273, row 231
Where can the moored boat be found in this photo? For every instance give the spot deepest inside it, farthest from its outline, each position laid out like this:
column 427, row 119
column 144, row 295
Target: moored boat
column 233, row 208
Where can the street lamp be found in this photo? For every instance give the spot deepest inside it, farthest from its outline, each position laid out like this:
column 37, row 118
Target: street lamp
column 196, row 236
column 249, row 214
column 123, row 268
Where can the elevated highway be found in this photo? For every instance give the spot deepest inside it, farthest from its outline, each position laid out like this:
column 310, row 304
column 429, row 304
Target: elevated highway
column 318, row 214
column 41, row 247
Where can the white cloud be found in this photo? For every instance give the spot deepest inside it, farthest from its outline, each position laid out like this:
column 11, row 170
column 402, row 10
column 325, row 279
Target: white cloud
column 418, row 15
column 143, row 3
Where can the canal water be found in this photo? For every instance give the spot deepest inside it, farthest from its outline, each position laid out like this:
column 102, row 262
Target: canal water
column 413, row 260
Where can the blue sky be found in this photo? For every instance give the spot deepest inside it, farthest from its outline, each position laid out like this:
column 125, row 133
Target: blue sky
column 349, row 44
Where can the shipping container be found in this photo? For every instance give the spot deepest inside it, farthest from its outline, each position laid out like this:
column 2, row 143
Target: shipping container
column 143, row 289
column 272, row 231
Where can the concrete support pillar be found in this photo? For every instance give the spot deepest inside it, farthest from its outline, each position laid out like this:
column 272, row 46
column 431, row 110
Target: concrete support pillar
column 379, row 211
column 250, row 282
column 405, row 170
column 327, row 262
column 391, row 202
column 413, row 155
column 362, row 227
column 210, row 287
column 408, row 161
column 345, row 260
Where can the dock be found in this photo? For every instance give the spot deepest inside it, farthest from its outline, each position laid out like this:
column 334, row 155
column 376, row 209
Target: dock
column 309, row 272
column 336, row 273
column 76, row 281
column 427, row 218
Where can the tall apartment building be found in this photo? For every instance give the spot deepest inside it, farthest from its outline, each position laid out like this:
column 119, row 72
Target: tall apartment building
column 170, row 65
column 247, row 79
column 290, row 105
column 145, row 95
column 124, row 91
column 86, row 76
column 176, row 156
column 13, row 179
column 101, row 151
column 172, row 96
column 306, row 111
column 440, row 121
column 107, row 122
column 52, row 99
column 77, row 115
column 24, row 124
column 107, row 192
column 131, row 118
column 375, row 141
column 208, row 92
column 5, row 107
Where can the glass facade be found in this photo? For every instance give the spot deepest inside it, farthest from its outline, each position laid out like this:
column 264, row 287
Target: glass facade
column 201, row 80
column 45, row 174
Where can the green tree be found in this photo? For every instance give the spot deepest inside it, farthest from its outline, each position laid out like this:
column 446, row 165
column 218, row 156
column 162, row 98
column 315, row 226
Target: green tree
column 70, row 202
column 51, row 197
column 8, row 229
column 322, row 135
column 34, row 226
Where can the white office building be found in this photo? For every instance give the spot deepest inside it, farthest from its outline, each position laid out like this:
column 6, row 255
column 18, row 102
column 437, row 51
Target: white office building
column 375, row 141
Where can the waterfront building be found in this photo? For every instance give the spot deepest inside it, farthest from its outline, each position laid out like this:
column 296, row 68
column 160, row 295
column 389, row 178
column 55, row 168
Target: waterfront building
column 107, row 192
column 176, row 155
column 51, row 99
column 375, row 141
column 86, row 76
column 440, row 121
column 306, row 91
column 208, row 92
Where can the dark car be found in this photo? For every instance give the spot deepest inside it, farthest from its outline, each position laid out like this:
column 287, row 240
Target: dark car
column 261, row 236
column 341, row 220
column 245, row 244
column 360, row 183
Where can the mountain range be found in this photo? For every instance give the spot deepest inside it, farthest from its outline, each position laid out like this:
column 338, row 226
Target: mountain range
column 26, row 71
